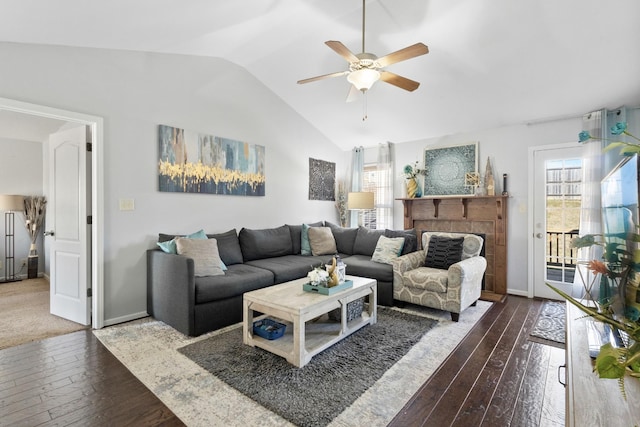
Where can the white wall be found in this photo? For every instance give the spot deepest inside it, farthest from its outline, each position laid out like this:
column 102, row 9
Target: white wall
column 507, row 147
column 21, row 174
column 134, row 93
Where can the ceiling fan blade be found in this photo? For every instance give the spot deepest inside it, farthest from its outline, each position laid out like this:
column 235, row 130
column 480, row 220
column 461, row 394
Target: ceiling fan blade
column 342, row 50
column 403, row 54
column 399, row 81
column 326, row 76
column 353, row 93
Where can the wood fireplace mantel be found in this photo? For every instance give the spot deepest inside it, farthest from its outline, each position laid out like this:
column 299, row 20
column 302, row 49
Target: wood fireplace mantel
column 485, row 215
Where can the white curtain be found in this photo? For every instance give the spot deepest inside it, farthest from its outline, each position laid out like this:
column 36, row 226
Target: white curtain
column 590, row 211
column 384, row 187
column 357, row 173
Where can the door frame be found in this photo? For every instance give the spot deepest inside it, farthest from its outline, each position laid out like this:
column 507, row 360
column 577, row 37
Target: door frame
column 97, row 192
column 531, row 204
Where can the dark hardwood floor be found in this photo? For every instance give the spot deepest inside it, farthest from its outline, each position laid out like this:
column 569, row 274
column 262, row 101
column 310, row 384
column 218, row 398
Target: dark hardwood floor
column 494, row 378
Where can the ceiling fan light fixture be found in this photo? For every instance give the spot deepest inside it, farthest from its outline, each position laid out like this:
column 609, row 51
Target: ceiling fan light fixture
column 364, row 78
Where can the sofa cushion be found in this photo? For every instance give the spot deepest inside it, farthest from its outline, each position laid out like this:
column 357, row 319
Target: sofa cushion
column 410, row 239
column 345, row 237
column 296, row 235
column 366, row 241
column 238, row 279
column 443, row 251
column 387, row 249
column 206, row 259
column 265, row 243
column 290, row 267
column 361, row 265
column 228, row 246
column 322, row 241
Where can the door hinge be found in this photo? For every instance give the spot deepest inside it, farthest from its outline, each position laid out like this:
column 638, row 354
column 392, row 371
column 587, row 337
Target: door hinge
column 89, row 146
column 89, row 295
column 89, row 219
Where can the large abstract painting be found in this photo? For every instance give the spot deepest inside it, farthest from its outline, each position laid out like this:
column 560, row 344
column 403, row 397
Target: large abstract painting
column 190, row 162
column 322, row 180
column 446, row 168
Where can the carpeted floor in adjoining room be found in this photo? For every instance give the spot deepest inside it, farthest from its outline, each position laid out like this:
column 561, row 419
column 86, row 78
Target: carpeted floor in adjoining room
column 25, row 314
column 149, row 349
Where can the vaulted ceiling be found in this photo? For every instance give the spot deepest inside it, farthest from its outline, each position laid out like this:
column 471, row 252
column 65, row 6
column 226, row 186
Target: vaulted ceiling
column 491, row 62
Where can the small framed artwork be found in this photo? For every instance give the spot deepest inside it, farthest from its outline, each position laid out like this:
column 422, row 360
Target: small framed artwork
column 322, row 180
column 447, row 170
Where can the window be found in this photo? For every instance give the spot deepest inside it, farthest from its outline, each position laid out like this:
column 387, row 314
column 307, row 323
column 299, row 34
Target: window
column 375, row 180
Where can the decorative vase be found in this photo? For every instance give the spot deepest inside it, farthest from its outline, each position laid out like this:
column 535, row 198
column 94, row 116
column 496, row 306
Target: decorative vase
column 32, row 262
column 412, row 188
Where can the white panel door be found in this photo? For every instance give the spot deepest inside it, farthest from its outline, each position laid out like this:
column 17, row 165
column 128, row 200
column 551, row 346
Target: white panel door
column 67, row 225
column 557, row 197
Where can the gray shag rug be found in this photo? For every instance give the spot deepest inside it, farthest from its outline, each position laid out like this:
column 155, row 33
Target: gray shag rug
column 316, row 393
column 551, row 324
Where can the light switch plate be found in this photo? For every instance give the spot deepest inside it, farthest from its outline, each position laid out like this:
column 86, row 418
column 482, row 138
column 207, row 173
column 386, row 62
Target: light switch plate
column 127, row 204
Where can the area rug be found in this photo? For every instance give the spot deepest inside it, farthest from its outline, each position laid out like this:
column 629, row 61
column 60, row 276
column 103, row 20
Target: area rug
column 25, row 314
column 150, row 350
column 315, row 394
column 550, row 326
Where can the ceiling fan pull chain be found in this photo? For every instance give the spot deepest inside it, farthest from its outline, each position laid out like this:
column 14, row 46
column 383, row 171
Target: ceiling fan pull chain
column 364, row 106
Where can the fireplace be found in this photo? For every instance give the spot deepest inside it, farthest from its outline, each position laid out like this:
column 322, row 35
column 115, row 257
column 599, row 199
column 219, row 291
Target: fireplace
column 482, row 215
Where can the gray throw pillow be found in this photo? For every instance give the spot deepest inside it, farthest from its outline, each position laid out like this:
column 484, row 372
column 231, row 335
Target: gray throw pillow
column 206, row 259
column 443, row 252
column 345, row 237
column 366, row 241
column 228, row 246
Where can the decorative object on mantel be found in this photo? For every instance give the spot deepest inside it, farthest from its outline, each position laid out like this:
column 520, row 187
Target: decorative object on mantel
column 446, row 168
column 504, row 185
column 617, row 275
column 489, row 181
column 472, row 179
column 190, row 162
column 10, row 204
column 35, row 208
column 411, row 173
column 322, row 180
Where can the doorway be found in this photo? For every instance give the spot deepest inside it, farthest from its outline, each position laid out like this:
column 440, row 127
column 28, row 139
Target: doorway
column 95, row 249
column 556, row 196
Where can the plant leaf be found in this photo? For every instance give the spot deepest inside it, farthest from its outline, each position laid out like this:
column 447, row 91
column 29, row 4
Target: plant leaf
column 608, row 363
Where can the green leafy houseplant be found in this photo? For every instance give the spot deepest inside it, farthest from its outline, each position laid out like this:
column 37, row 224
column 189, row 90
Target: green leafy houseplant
column 618, row 304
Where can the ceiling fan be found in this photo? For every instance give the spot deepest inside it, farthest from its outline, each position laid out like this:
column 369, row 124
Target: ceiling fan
column 366, row 68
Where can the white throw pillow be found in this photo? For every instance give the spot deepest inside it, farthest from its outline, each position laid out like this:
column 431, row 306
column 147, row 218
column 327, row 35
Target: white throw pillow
column 387, row 249
column 206, row 257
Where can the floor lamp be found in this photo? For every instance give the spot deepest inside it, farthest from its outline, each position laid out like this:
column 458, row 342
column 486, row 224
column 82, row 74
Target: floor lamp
column 360, row 201
column 10, row 204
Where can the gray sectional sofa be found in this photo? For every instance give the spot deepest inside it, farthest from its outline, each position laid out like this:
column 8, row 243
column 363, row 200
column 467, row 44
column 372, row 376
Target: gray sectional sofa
column 254, row 259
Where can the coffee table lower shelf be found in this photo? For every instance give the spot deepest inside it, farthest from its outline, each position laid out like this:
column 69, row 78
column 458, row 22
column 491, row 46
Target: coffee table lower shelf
column 309, row 330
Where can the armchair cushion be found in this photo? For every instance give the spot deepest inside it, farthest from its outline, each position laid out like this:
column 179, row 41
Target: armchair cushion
column 443, row 251
column 427, row 278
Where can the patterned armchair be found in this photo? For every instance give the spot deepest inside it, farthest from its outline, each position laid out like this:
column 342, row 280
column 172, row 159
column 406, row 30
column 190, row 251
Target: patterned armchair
column 433, row 285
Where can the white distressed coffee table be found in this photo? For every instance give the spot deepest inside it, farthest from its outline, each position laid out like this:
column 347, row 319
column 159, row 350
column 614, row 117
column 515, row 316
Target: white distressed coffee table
column 296, row 308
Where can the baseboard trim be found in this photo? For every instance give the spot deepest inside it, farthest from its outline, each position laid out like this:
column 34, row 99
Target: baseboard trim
column 518, row 293
column 124, row 319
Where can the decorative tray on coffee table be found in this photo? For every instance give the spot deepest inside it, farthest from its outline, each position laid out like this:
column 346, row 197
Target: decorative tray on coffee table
column 308, row 287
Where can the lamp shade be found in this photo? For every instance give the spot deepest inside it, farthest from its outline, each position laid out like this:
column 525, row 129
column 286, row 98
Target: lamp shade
column 363, row 79
column 360, row 201
column 11, row 203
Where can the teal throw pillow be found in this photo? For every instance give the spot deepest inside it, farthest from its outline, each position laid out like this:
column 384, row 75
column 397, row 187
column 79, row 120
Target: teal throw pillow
column 305, row 246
